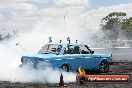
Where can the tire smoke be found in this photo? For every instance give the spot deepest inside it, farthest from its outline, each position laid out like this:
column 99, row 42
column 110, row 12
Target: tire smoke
column 10, row 57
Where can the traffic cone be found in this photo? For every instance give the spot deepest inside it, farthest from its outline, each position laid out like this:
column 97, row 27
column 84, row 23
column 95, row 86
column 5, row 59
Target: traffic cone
column 61, row 84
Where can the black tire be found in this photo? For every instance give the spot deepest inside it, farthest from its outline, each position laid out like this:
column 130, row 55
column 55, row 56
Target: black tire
column 65, row 67
column 81, row 80
column 104, row 66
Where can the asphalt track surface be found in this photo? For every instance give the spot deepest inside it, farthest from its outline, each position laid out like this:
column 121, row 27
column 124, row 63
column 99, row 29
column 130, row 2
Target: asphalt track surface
column 120, row 67
column 120, row 53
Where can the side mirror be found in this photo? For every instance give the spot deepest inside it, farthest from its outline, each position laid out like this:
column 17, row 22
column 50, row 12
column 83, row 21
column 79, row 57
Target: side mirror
column 92, row 52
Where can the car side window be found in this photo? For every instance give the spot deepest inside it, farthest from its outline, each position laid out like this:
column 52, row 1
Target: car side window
column 84, row 50
column 72, row 50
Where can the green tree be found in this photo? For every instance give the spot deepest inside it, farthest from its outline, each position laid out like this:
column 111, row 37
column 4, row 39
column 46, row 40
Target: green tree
column 127, row 27
column 113, row 24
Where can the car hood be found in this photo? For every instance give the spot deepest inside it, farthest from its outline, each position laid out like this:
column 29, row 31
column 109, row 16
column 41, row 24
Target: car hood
column 102, row 55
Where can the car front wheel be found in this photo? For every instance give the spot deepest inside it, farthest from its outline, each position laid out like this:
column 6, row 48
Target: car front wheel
column 104, row 66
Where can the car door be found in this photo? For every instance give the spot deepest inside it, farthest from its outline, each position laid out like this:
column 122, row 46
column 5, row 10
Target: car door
column 88, row 59
column 73, row 56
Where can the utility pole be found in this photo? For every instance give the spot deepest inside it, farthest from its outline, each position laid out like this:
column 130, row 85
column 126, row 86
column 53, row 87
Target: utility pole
column 64, row 22
column 65, row 34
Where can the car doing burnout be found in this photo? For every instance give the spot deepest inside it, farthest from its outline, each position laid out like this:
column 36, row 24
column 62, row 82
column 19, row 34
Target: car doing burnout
column 68, row 57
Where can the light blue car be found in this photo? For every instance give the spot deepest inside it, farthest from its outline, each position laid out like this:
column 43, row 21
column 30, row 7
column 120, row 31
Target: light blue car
column 68, row 57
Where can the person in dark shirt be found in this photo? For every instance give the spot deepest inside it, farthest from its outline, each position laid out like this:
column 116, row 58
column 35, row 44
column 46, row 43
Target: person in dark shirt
column 76, row 50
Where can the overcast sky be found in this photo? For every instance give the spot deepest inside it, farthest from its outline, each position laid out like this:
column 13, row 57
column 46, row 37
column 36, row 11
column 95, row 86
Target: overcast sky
column 99, row 3
column 24, row 14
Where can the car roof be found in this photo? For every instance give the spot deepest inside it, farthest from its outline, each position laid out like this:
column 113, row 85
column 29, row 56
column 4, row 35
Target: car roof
column 65, row 44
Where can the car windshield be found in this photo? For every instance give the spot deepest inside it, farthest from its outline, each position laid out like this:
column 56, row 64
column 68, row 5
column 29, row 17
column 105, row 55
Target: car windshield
column 50, row 48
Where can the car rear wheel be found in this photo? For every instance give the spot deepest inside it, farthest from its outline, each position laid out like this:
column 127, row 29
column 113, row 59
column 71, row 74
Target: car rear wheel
column 65, row 67
column 104, row 66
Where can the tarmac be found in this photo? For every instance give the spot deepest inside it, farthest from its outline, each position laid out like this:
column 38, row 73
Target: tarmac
column 119, row 67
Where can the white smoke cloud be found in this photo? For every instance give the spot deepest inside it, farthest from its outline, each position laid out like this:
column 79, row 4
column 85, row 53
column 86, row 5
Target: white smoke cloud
column 32, row 42
column 11, row 59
